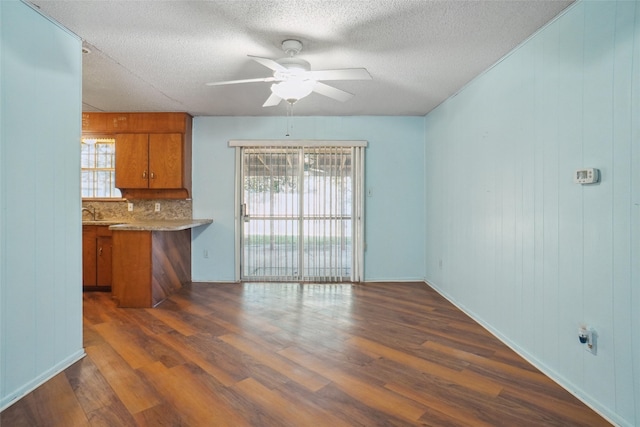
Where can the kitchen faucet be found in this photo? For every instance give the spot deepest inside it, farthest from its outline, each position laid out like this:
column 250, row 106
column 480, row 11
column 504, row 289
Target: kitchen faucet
column 91, row 211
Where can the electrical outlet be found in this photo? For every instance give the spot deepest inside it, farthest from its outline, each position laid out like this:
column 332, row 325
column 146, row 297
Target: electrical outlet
column 130, row 207
column 589, row 337
column 157, row 209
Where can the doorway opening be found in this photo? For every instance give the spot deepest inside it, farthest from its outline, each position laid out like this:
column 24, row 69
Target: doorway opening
column 300, row 211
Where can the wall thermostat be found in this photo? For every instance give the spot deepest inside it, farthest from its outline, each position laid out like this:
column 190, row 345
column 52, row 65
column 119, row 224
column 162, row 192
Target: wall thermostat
column 586, row 176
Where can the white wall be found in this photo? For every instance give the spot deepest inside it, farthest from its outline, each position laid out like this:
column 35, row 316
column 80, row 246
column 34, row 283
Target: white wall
column 524, row 250
column 394, row 218
column 40, row 228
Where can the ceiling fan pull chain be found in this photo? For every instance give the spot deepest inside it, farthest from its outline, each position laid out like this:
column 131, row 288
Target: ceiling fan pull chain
column 289, row 116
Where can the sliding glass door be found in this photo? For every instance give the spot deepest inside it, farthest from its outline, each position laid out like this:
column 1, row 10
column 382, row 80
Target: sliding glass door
column 300, row 216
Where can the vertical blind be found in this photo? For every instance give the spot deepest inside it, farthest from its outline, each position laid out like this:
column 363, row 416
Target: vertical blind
column 300, row 211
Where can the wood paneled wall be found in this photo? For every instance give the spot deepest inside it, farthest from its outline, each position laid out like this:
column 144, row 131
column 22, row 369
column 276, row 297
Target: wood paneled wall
column 40, row 225
column 511, row 238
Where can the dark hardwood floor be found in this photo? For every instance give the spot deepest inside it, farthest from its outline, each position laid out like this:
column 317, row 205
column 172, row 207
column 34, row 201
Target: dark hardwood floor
column 267, row 354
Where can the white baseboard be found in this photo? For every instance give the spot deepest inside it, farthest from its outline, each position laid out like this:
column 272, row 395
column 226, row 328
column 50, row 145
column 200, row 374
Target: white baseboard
column 552, row 374
column 27, row 388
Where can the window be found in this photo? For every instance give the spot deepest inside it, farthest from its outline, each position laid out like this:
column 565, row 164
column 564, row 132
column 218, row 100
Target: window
column 98, row 168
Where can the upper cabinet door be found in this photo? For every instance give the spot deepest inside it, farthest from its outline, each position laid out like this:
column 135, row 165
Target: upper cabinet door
column 132, row 160
column 166, row 157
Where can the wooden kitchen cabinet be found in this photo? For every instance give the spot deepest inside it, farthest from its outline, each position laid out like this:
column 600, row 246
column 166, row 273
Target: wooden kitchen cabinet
column 149, row 266
column 154, row 161
column 105, row 122
column 97, row 250
column 89, row 266
column 110, row 123
column 153, row 152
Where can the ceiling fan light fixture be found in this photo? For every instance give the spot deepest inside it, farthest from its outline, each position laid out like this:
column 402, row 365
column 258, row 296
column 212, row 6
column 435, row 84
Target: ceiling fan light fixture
column 293, row 79
column 293, row 90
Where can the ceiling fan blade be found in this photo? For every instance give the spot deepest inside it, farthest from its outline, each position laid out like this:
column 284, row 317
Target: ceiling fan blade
column 233, row 82
column 269, row 63
column 272, row 101
column 332, row 92
column 344, row 74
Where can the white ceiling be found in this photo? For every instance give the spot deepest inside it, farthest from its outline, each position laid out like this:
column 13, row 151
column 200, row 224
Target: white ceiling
column 158, row 55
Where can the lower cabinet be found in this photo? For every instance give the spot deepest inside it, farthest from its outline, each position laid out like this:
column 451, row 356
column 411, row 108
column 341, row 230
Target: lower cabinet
column 97, row 251
column 149, row 266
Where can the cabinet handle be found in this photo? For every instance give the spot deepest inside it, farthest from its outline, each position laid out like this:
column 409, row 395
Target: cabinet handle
column 144, row 175
column 100, row 251
column 153, row 175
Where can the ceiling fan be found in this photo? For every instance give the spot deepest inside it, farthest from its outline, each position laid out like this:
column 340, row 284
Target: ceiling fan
column 293, row 79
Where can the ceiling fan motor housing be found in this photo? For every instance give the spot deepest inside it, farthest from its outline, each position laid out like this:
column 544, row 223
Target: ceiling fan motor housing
column 294, row 66
column 292, row 47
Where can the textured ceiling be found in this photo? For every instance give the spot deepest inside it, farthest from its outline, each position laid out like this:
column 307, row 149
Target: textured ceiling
column 158, row 55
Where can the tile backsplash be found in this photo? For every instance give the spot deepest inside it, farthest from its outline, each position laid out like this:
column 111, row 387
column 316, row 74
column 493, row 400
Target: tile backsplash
column 143, row 210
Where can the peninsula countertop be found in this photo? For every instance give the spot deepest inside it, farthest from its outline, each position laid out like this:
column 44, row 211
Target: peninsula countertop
column 160, row 225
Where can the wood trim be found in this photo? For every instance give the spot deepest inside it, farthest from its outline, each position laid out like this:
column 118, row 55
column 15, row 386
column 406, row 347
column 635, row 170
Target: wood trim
column 105, row 122
column 103, row 230
column 148, row 266
column 132, row 268
column 187, row 157
column 88, row 256
column 171, row 263
column 144, row 193
column 135, row 122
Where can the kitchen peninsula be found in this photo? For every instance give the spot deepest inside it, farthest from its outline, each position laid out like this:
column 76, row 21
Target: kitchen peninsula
column 145, row 256
column 151, row 260
column 146, row 235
